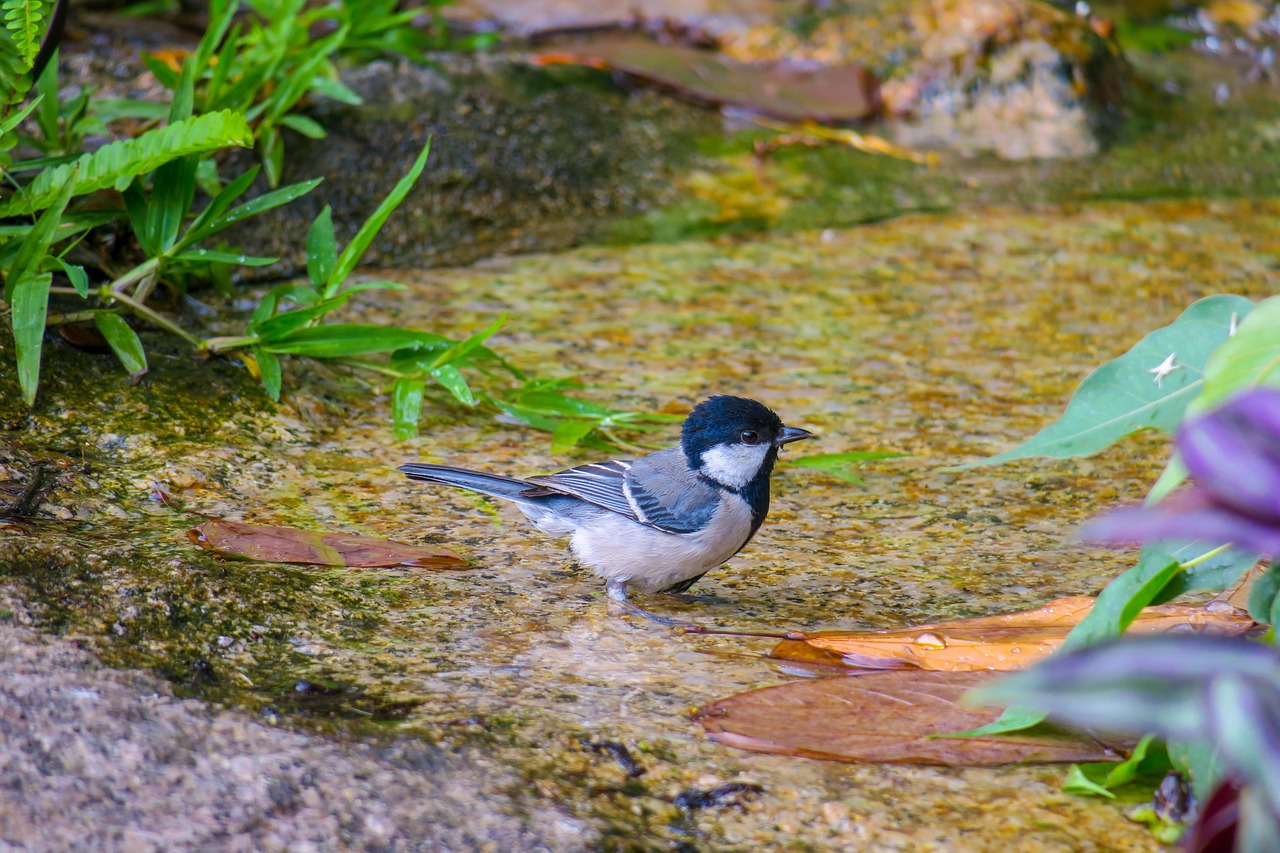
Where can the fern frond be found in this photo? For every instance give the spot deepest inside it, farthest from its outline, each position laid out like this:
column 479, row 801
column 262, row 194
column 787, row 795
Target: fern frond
column 117, row 163
column 24, row 19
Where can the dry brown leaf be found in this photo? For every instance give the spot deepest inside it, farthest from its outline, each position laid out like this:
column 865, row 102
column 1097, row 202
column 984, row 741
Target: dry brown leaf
column 831, row 94
column 1005, row 642
column 886, row 717
column 316, row 548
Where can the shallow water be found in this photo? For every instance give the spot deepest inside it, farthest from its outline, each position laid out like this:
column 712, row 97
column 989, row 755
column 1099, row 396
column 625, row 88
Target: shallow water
column 944, row 337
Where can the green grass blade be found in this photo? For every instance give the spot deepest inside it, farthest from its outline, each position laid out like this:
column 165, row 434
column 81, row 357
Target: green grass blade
column 360, row 243
column 322, row 249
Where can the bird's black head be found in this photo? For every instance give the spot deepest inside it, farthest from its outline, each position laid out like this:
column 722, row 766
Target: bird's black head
column 733, row 440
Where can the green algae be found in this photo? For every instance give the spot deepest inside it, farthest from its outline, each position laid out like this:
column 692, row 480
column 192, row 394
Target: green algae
column 944, row 337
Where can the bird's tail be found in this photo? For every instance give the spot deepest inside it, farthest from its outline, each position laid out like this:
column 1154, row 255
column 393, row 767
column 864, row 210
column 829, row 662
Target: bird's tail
column 476, row 481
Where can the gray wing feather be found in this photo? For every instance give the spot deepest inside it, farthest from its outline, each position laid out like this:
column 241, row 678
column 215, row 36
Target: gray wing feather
column 658, row 491
column 600, row 483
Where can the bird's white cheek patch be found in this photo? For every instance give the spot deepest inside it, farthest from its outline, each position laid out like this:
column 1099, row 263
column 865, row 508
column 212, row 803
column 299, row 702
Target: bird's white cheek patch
column 733, row 465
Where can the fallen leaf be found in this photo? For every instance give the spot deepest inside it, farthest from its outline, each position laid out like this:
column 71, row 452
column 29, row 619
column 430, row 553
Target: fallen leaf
column 1005, row 642
column 887, row 717
column 317, row 548
column 830, row 94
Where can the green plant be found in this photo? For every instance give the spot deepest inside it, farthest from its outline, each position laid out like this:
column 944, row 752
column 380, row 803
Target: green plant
column 238, row 88
column 1220, row 347
column 1217, row 347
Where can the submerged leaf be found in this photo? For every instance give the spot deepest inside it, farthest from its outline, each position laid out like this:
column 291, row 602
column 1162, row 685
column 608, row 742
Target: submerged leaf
column 830, row 94
column 884, row 717
column 269, row 544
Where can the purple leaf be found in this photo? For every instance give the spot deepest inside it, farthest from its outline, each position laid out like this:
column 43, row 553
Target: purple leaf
column 1195, row 514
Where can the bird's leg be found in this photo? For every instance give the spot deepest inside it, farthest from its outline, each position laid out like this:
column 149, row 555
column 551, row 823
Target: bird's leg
column 618, row 592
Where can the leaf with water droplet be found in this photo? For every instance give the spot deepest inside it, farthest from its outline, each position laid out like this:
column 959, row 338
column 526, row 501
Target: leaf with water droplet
column 1004, row 642
column 269, row 544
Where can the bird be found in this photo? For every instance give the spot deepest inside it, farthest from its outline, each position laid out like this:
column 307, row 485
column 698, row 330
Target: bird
column 660, row 522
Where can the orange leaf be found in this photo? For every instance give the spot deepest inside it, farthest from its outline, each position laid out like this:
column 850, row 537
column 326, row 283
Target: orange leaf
column 886, row 717
column 1005, row 642
column 314, row 547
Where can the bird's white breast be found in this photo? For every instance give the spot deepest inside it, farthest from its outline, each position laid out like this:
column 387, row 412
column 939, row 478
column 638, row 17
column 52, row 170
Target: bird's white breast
column 649, row 560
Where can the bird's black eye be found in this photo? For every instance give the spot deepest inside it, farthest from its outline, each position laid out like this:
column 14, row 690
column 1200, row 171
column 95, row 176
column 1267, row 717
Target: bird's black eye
column 749, row 436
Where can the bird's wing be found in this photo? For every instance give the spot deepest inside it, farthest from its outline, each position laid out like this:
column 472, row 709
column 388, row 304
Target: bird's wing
column 600, row 483
column 658, row 491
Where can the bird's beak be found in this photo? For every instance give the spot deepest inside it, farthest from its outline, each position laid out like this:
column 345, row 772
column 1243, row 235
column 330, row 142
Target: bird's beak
column 790, row 434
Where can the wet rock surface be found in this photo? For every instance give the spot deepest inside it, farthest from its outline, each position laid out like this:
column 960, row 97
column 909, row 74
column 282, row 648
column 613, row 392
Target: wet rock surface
column 111, row 760
column 945, row 337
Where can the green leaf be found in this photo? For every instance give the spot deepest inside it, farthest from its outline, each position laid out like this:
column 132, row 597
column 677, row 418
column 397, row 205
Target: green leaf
column 335, row 89
column 158, row 67
column 344, row 340
column 291, row 89
column 1249, row 357
column 1170, row 478
column 271, row 147
column 462, row 349
column 373, row 285
column 308, row 127
column 118, row 161
column 360, row 243
column 181, row 106
column 1122, row 599
column 1199, row 762
column 282, row 325
column 322, row 249
column 24, row 19
column 30, row 307
column 173, row 188
column 265, row 309
column 112, row 109
column 221, row 14
column 838, row 464
column 406, row 406
column 1264, row 597
column 269, row 370
column 1205, row 566
column 1124, row 396
column 1117, row 606
column 1101, row 778
column 124, row 343
column 8, row 125
column 1078, row 783
column 454, row 382
column 47, row 87
column 218, row 206
column 568, row 434
column 266, row 201
column 78, row 277
column 35, row 247
column 211, row 255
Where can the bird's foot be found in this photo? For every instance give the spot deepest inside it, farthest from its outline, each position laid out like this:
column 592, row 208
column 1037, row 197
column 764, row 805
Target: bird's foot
column 618, row 592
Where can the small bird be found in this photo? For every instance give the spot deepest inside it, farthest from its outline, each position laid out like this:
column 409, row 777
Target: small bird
column 661, row 522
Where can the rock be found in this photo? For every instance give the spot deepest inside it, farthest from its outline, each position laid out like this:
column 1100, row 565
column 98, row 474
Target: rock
column 522, row 159
column 110, row 760
column 1018, row 78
